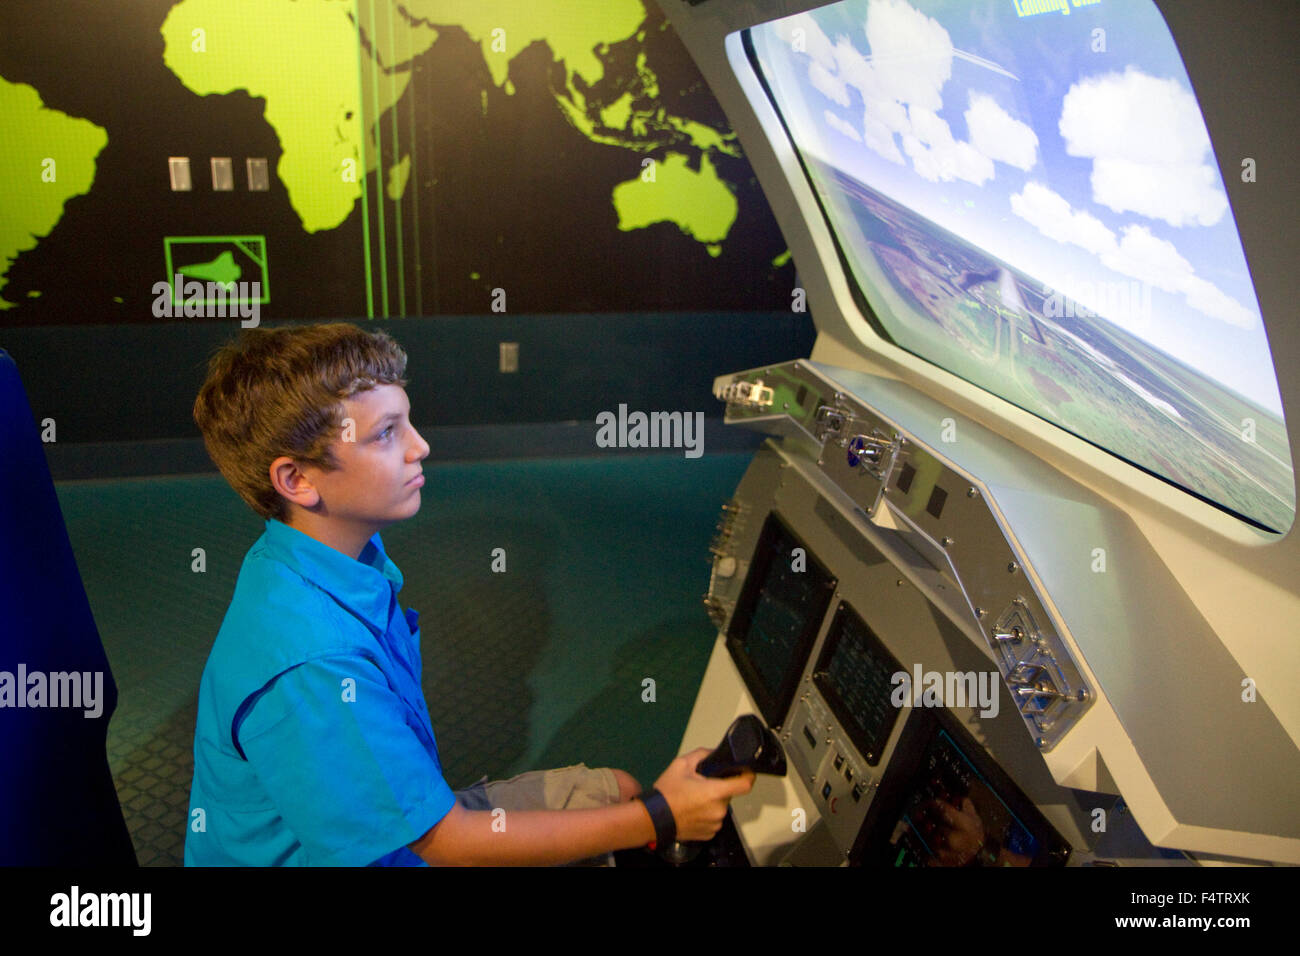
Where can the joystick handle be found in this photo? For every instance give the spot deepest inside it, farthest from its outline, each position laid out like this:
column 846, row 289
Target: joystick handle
column 748, row 744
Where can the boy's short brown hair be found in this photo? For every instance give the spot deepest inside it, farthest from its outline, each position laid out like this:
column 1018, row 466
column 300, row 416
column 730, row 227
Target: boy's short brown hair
column 274, row 392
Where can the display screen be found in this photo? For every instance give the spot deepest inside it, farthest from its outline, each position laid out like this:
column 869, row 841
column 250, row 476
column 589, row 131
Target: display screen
column 948, row 804
column 953, row 817
column 905, row 475
column 854, row 675
column 936, row 502
column 777, row 617
column 1027, row 196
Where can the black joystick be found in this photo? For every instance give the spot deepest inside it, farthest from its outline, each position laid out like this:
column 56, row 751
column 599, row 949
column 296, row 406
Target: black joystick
column 748, row 744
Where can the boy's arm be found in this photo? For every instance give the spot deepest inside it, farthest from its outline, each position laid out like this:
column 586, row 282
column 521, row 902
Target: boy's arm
column 533, row 837
column 542, row 837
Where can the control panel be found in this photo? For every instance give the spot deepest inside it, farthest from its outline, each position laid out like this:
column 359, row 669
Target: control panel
column 945, row 631
column 941, row 524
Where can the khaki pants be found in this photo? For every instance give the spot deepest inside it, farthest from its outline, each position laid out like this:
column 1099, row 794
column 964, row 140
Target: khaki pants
column 567, row 788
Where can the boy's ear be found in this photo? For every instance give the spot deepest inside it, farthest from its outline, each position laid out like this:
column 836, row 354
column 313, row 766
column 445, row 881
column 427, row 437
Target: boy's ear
column 291, row 482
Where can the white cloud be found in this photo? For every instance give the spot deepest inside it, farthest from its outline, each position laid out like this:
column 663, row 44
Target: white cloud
column 996, row 134
column 901, row 87
column 1137, row 253
column 805, row 36
column 1155, row 260
column 1148, row 144
column 831, row 87
column 928, row 126
column 883, row 114
column 1180, row 195
column 911, row 54
column 1207, row 298
column 1149, row 258
column 1050, row 214
column 835, row 123
column 880, row 138
column 856, row 71
column 937, row 156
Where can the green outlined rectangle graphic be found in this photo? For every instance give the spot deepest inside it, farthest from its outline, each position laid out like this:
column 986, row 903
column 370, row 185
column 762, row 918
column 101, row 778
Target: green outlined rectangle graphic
column 225, row 260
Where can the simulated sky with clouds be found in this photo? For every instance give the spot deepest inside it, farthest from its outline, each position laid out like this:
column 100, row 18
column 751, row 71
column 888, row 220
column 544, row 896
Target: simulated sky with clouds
column 1073, row 164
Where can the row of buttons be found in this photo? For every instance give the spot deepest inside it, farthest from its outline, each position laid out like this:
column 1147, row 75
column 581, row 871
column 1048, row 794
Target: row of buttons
column 841, row 764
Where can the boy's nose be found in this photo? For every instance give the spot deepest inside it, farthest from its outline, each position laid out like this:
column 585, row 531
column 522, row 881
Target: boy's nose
column 421, row 445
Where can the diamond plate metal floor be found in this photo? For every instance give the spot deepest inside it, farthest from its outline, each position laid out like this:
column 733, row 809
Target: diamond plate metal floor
column 542, row 666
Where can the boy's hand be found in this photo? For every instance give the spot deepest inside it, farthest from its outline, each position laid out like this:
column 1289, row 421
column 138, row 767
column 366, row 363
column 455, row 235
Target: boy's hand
column 699, row 803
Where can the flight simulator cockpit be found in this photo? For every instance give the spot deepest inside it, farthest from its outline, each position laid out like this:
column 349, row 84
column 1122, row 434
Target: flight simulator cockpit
column 1011, row 578
column 974, row 580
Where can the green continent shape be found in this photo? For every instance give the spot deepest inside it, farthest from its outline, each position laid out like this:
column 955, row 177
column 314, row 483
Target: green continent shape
column 653, row 130
column 574, row 31
column 301, row 57
column 398, row 174
column 390, row 30
column 616, row 115
column 571, row 28
column 699, row 203
column 705, row 137
column 31, row 134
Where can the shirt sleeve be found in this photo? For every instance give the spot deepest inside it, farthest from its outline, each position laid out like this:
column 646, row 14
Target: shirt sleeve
column 339, row 754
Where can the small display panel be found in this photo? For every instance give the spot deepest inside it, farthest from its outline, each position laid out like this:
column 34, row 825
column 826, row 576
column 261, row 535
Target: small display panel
column 905, row 476
column 777, row 617
column 854, row 675
column 936, row 502
column 951, row 805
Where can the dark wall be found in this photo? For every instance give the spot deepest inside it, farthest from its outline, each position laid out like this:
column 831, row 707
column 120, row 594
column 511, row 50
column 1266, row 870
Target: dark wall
column 121, row 397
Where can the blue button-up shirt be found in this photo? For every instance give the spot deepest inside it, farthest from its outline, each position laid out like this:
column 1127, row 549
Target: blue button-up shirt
column 313, row 744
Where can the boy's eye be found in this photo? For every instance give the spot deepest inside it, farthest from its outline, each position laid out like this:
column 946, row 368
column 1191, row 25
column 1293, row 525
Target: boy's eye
column 386, row 432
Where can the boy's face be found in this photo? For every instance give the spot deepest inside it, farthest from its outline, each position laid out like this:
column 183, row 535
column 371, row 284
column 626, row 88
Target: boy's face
column 378, row 478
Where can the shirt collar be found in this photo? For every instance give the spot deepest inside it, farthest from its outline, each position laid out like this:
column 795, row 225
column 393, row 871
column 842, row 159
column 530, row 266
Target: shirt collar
column 363, row 585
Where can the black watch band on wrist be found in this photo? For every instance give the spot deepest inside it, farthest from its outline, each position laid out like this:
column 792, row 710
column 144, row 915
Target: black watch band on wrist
column 661, row 814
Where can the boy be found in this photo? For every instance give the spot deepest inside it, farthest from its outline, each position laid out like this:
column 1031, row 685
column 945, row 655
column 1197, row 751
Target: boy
column 313, row 743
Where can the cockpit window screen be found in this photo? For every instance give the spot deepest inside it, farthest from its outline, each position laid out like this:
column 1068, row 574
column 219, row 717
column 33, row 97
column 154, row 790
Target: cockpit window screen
column 778, row 617
column 1026, row 195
